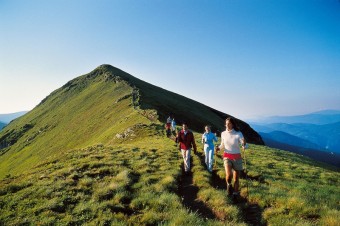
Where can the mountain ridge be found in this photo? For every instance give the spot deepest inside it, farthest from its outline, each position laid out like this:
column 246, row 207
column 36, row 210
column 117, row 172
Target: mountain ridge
column 106, row 106
column 151, row 99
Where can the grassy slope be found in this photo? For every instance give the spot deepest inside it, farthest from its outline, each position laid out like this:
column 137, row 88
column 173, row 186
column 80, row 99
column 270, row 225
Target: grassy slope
column 294, row 190
column 71, row 117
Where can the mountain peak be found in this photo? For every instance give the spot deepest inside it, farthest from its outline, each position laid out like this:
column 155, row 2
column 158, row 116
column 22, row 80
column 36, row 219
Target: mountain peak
column 95, row 107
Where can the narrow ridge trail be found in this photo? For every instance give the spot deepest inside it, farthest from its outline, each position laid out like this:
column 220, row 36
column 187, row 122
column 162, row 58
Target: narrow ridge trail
column 188, row 193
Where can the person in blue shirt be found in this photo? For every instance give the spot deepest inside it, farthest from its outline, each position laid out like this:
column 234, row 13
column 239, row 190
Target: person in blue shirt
column 208, row 139
column 173, row 125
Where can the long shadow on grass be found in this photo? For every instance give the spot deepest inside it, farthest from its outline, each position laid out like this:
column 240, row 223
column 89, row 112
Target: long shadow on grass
column 188, row 192
column 252, row 213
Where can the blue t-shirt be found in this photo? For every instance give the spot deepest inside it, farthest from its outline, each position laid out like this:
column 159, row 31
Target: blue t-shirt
column 208, row 139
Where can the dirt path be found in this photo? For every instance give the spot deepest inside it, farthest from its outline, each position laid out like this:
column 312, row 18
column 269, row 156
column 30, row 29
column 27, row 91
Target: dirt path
column 252, row 213
column 188, row 192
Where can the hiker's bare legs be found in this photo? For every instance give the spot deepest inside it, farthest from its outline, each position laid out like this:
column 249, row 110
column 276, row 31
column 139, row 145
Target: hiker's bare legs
column 236, row 180
column 228, row 171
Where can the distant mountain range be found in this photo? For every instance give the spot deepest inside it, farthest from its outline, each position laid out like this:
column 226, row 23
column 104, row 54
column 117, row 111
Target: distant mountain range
column 2, row 125
column 6, row 118
column 320, row 136
column 318, row 118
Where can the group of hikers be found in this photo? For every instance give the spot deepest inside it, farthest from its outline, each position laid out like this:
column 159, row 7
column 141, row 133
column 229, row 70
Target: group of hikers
column 170, row 126
column 231, row 139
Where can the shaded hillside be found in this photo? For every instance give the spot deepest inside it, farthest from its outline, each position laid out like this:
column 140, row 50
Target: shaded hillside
column 105, row 106
column 182, row 108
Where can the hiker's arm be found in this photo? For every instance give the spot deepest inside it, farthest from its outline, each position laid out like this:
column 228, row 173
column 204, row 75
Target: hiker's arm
column 215, row 138
column 243, row 143
column 221, row 146
column 179, row 137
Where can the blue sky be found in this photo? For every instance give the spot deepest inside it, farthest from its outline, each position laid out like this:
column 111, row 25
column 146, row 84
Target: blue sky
column 247, row 58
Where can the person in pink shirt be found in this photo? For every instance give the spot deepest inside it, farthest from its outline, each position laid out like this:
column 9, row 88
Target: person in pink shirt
column 231, row 139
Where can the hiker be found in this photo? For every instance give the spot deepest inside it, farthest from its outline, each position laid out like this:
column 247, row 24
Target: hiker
column 173, row 125
column 231, row 139
column 168, row 126
column 208, row 139
column 187, row 142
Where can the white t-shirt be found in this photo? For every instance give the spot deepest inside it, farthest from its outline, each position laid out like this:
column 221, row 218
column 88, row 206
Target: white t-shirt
column 230, row 141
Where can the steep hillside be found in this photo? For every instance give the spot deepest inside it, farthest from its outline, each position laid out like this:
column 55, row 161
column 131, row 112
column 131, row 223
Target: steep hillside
column 106, row 106
column 182, row 108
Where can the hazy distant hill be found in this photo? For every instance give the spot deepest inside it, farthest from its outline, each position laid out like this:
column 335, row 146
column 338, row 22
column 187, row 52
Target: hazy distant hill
column 319, row 118
column 293, row 133
column 2, row 124
column 326, row 137
column 287, row 138
column 100, row 107
column 6, row 118
column 301, row 147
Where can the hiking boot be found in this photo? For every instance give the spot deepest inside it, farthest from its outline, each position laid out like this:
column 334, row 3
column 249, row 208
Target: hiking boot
column 230, row 189
column 236, row 196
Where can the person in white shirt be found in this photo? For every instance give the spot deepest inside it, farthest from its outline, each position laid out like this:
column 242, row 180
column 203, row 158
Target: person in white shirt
column 231, row 139
column 208, row 139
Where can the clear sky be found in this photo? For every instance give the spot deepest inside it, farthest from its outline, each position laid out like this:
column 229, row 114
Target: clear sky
column 247, row 58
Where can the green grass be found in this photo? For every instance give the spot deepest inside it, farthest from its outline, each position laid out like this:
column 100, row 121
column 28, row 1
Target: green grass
column 108, row 185
column 292, row 188
column 98, row 184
